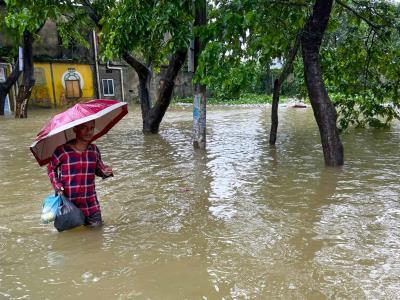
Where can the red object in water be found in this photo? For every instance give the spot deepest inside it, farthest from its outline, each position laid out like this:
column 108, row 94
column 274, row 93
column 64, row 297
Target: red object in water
column 59, row 129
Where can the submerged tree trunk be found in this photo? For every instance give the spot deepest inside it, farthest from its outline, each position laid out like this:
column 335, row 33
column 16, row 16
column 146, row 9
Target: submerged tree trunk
column 199, row 116
column 274, row 112
column 152, row 116
column 167, row 84
column 200, row 100
column 324, row 111
column 3, row 94
column 144, row 74
column 28, row 81
column 5, row 87
column 277, row 89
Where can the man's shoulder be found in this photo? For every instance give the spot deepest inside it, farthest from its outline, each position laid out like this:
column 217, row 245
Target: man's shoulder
column 93, row 148
column 61, row 148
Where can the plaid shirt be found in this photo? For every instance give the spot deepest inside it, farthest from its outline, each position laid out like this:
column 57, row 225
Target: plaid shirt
column 76, row 173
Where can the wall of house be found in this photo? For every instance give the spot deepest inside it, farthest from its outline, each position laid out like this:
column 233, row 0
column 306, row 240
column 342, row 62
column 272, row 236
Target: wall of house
column 48, row 46
column 49, row 90
column 131, row 82
column 183, row 84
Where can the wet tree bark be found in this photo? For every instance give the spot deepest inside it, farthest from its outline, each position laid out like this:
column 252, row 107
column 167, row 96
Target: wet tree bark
column 28, row 80
column 5, row 87
column 152, row 116
column 3, row 94
column 200, row 100
column 324, row 111
column 144, row 74
column 167, row 84
column 277, row 89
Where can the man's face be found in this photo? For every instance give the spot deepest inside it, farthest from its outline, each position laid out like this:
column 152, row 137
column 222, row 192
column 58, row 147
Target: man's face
column 84, row 131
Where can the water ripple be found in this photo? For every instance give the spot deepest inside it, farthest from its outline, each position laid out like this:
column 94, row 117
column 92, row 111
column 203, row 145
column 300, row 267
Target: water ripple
column 241, row 220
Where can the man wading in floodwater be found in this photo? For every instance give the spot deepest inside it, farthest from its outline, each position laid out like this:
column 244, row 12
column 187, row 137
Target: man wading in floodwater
column 72, row 171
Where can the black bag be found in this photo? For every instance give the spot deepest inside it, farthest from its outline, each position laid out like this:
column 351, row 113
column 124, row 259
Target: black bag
column 68, row 216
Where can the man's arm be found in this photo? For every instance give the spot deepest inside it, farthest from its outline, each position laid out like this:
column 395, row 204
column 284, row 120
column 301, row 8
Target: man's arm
column 52, row 172
column 102, row 170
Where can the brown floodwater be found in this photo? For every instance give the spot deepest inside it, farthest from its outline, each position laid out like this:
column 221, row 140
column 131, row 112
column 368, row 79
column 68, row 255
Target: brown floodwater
column 241, row 220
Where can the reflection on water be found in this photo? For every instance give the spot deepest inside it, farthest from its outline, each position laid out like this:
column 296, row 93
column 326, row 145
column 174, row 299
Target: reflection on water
column 241, row 220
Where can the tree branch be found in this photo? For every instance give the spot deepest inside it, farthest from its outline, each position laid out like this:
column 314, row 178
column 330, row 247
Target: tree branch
column 290, row 59
column 13, row 77
column 288, row 3
column 139, row 67
column 92, row 12
column 368, row 59
column 353, row 11
column 277, row 87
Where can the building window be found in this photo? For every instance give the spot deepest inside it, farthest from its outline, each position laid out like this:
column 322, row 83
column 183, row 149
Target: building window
column 108, row 87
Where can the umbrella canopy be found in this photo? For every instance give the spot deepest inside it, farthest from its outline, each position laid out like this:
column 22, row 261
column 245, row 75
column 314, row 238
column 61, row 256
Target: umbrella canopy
column 59, row 129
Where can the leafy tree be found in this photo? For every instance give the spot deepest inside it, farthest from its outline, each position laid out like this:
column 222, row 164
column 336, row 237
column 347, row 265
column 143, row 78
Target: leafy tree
column 26, row 18
column 350, row 47
column 244, row 38
column 7, row 54
column 146, row 34
column 361, row 63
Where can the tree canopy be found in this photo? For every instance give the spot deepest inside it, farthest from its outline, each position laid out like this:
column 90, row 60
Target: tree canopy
column 359, row 54
column 152, row 30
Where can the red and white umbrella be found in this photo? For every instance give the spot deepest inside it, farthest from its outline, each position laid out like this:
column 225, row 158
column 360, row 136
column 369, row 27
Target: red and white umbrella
column 59, row 129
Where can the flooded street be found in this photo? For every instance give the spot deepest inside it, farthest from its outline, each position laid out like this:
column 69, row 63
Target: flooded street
column 239, row 221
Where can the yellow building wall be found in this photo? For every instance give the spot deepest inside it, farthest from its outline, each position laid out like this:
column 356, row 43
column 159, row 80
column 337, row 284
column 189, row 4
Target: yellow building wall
column 42, row 91
column 42, row 94
column 86, row 75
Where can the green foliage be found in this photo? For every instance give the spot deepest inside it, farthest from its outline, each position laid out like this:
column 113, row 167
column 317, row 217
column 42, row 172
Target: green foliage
column 227, row 78
column 361, row 65
column 362, row 111
column 31, row 15
column 243, row 38
column 76, row 34
column 360, row 55
column 148, row 29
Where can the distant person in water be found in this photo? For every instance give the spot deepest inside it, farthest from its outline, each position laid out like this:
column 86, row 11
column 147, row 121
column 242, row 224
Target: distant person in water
column 72, row 171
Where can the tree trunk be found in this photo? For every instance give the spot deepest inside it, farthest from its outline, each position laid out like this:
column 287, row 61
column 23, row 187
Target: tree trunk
column 200, row 100
column 5, row 87
column 167, row 84
column 145, row 100
column 152, row 116
column 324, row 111
column 274, row 112
column 144, row 74
column 25, row 89
column 277, row 89
column 3, row 94
column 199, row 117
